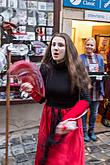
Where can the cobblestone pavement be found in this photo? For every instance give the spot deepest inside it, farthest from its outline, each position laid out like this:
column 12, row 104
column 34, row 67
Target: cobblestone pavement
column 98, row 152
column 22, row 148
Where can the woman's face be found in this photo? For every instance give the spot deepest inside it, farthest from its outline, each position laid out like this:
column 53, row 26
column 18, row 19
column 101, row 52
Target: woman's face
column 58, row 48
column 90, row 46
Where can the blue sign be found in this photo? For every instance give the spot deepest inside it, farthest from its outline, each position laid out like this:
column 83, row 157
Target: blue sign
column 102, row 5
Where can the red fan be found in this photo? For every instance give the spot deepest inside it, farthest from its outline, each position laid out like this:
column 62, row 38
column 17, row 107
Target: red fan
column 28, row 72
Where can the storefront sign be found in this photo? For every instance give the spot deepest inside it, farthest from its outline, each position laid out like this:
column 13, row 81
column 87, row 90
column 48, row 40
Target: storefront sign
column 103, row 5
column 97, row 16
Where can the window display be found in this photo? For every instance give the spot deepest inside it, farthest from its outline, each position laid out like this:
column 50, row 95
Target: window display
column 34, row 22
column 27, row 16
column 103, row 45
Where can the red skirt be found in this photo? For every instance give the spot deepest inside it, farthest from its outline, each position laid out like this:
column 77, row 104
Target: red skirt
column 70, row 151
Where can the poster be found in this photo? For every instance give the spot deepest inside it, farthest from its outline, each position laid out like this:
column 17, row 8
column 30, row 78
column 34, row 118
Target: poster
column 42, row 17
column 49, row 6
column 42, row 6
column 32, row 21
column 2, row 3
column 32, row 5
column 104, row 46
column 22, row 4
column 50, row 19
column 12, row 3
column 49, row 31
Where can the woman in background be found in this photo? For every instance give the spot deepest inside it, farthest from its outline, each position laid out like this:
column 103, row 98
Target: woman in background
column 93, row 63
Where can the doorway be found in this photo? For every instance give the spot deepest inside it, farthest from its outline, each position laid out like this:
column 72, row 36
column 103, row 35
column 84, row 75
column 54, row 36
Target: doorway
column 100, row 31
column 84, row 29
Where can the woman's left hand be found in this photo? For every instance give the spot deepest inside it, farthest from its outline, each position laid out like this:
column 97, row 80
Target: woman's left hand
column 26, row 87
column 66, row 126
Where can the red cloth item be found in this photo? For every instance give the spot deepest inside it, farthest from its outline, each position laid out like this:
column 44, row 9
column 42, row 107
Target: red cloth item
column 36, row 96
column 29, row 72
column 70, row 151
column 77, row 109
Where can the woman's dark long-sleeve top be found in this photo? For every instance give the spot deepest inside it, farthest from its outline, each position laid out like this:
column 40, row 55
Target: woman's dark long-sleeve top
column 57, row 86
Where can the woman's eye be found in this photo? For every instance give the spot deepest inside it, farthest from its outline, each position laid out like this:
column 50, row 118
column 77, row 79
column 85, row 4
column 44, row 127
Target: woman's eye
column 53, row 44
column 89, row 45
column 61, row 44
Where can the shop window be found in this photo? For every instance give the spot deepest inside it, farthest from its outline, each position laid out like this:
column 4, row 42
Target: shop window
column 34, row 23
column 34, row 19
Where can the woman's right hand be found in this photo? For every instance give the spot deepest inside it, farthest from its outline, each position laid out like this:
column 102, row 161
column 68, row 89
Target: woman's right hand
column 26, row 87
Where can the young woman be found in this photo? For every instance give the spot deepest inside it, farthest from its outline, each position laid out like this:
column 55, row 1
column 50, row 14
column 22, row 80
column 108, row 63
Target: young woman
column 94, row 63
column 60, row 138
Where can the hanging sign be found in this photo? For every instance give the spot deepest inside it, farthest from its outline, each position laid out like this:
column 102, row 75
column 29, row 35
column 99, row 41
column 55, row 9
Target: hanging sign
column 103, row 5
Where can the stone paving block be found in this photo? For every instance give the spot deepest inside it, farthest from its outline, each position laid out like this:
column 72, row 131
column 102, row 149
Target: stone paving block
column 107, row 162
column 25, row 163
column 15, row 141
column 31, row 156
column 17, row 149
column 93, row 149
column 2, row 145
column 104, row 146
column 103, row 138
column 94, row 162
column 100, row 156
column 27, row 139
column 2, row 151
column 107, row 133
column 98, row 142
column 21, row 158
column 29, row 148
column 108, row 153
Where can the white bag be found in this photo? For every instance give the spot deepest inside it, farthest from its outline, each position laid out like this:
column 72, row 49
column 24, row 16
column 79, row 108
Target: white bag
column 66, row 126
